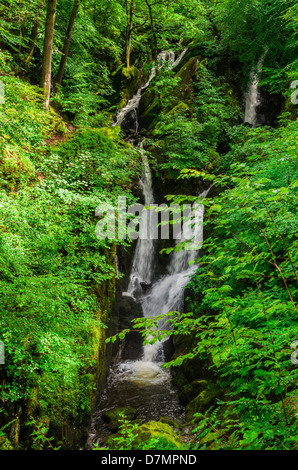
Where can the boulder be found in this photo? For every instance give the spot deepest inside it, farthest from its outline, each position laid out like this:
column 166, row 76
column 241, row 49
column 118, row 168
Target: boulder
column 192, row 390
column 114, row 418
column 127, row 309
column 145, row 286
column 200, row 403
column 163, row 433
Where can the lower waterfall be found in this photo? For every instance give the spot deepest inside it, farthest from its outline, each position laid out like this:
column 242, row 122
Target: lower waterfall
column 144, row 384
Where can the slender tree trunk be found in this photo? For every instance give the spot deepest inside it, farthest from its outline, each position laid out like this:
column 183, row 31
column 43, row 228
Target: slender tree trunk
column 59, row 76
column 130, row 13
column 46, row 72
column 34, row 31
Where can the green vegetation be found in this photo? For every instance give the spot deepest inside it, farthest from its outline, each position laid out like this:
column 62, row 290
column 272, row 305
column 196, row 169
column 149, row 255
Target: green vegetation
column 58, row 163
column 242, row 304
column 52, row 264
column 153, row 435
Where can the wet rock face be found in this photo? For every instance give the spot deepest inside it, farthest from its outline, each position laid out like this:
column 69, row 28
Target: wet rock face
column 133, row 347
column 129, row 122
column 145, row 286
column 126, row 309
column 269, row 108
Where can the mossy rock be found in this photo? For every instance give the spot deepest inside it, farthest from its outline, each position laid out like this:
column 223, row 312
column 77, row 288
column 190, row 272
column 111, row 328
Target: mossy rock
column 148, row 96
column 149, row 117
column 174, row 423
column 114, row 418
column 192, row 390
column 181, row 107
column 185, row 88
column 131, row 81
column 125, row 84
column 157, row 430
column 200, row 403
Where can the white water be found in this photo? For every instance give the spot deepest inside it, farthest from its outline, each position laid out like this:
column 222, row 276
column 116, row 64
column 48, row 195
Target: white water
column 131, row 108
column 253, row 98
column 144, row 253
column 144, row 384
column 167, row 293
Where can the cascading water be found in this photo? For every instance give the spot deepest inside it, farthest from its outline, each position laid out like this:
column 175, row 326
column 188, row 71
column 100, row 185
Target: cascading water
column 129, row 113
column 143, row 383
column 253, row 98
column 144, row 254
column 167, row 293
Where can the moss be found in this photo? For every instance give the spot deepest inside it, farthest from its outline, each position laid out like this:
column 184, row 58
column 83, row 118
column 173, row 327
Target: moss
column 149, row 117
column 127, row 82
column 175, row 424
column 153, row 434
column 158, row 431
column 185, row 88
column 181, row 107
column 16, row 166
column 190, row 391
column 213, row 439
column 200, row 403
column 114, row 418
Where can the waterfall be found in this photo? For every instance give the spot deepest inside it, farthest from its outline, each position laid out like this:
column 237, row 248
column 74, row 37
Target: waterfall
column 167, row 293
column 129, row 113
column 253, row 98
column 143, row 383
column 144, row 253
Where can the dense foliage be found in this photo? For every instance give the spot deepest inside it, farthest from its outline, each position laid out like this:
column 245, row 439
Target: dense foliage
column 57, row 278
column 51, row 259
column 243, row 302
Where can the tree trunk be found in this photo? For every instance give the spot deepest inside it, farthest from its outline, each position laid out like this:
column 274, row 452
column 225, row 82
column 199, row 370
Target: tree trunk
column 59, row 76
column 130, row 13
column 34, row 31
column 45, row 82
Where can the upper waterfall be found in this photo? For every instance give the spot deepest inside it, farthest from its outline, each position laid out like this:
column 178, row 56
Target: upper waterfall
column 130, row 110
column 253, row 98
